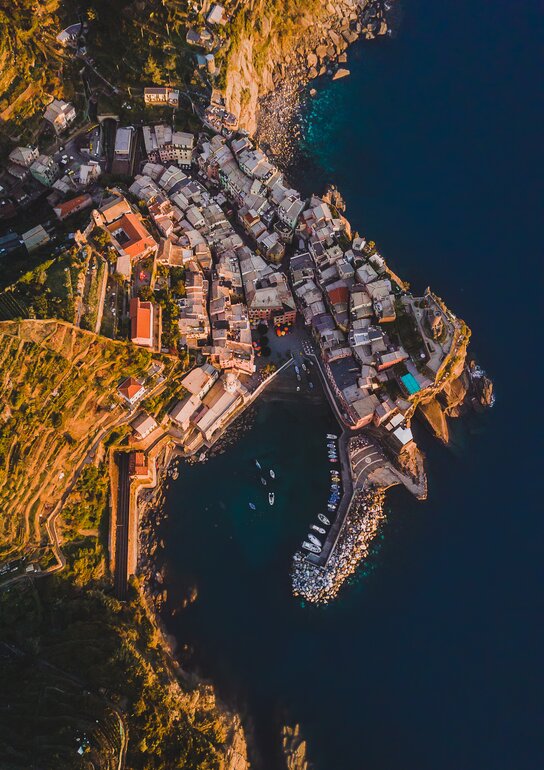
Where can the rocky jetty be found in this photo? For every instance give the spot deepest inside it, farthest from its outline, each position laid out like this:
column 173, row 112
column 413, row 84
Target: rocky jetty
column 321, row 584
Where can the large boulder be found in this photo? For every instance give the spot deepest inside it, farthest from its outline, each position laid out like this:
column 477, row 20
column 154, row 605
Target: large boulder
column 321, row 52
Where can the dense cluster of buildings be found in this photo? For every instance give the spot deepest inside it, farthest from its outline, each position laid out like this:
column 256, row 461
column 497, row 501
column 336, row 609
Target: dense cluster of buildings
column 223, row 212
column 347, row 298
column 211, row 399
column 341, row 285
column 164, row 145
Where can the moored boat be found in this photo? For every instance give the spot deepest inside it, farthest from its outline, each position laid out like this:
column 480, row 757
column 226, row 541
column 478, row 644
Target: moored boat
column 313, row 539
column 272, row 474
column 253, row 506
column 271, row 498
column 258, row 464
column 318, row 529
column 332, row 436
column 263, row 481
column 311, row 547
column 323, row 519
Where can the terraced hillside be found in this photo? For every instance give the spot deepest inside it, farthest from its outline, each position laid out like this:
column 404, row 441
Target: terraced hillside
column 30, row 57
column 57, row 396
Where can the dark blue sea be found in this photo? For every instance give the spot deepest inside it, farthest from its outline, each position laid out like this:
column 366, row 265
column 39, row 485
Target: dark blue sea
column 432, row 658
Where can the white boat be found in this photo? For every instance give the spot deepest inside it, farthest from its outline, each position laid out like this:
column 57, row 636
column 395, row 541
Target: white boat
column 311, row 547
column 271, row 498
column 313, row 539
column 332, row 436
column 272, row 474
column 297, row 370
column 323, row 519
column 253, row 506
column 258, row 464
column 318, row 529
column 263, row 481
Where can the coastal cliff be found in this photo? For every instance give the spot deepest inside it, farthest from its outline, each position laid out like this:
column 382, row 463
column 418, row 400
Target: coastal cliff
column 464, row 386
column 275, row 45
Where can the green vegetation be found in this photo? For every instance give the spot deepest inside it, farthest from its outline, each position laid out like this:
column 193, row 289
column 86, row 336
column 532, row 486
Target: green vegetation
column 172, row 282
column 93, row 287
column 47, row 291
column 81, row 664
column 30, row 63
column 406, row 331
column 82, row 669
column 90, row 497
column 266, row 22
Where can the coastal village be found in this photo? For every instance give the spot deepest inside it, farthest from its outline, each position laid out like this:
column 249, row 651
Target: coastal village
column 196, row 245
column 161, row 272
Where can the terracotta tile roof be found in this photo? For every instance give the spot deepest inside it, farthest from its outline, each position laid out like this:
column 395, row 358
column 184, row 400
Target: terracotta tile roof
column 135, row 239
column 339, row 295
column 130, row 387
column 141, row 319
column 64, row 210
column 138, row 464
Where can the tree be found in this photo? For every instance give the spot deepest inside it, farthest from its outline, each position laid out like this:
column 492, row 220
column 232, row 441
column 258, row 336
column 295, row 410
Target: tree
column 178, row 288
column 100, row 237
column 152, row 71
column 146, row 293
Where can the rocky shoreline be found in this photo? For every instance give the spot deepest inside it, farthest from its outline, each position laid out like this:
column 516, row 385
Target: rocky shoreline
column 152, row 578
column 266, row 94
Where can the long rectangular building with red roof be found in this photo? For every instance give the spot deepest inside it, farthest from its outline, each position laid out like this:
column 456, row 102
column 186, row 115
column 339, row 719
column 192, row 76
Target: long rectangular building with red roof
column 141, row 322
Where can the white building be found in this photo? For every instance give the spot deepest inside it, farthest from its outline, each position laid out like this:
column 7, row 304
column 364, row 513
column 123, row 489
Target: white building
column 60, row 114
column 24, row 156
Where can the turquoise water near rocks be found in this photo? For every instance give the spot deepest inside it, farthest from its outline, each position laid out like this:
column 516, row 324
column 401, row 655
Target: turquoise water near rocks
column 431, row 660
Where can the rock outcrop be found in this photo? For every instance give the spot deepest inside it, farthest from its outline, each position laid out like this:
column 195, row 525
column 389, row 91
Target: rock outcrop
column 294, row 748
